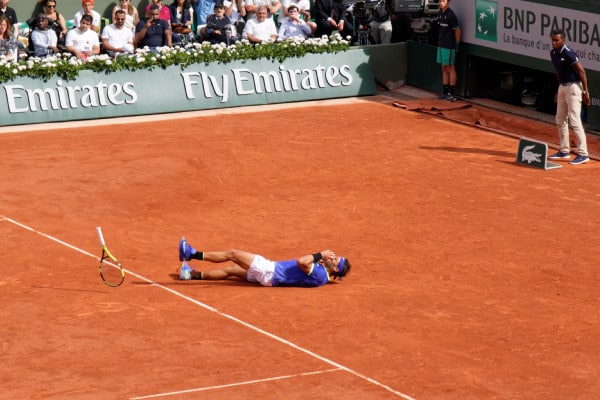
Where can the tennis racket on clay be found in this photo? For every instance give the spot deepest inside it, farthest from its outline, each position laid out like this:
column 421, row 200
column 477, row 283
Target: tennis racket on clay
column 111, row 271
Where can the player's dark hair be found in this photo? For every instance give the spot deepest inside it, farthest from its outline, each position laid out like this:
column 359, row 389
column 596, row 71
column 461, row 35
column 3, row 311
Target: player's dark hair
column 343, row 268
column 87, row 18
column 558, row 32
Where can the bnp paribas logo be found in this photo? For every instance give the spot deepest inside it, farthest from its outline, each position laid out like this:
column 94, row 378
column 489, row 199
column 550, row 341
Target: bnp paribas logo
column 486, row 20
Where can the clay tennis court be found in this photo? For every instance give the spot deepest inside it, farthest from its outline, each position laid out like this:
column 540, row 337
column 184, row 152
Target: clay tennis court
column 473, row 277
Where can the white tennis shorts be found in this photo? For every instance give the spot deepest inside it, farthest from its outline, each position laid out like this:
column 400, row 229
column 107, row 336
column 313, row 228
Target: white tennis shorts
column 261, row 271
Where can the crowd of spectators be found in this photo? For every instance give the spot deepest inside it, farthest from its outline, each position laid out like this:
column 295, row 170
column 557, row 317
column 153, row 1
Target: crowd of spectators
column 183, row 21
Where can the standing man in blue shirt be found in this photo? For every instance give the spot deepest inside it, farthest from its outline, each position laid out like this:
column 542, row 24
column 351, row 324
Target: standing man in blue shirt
column 311, row 270
column 572, row 91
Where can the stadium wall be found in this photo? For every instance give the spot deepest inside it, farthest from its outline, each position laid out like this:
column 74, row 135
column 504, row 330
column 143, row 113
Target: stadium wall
column 95, row 95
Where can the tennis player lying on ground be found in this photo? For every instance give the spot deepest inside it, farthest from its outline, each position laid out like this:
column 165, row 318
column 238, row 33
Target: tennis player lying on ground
column 307, row 271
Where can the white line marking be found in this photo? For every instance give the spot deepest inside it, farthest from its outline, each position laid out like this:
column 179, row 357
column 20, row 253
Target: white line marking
column 232, row 318
column 234, row 384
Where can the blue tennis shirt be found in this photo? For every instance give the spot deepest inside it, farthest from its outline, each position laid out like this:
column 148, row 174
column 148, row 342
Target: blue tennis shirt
column 287, row 273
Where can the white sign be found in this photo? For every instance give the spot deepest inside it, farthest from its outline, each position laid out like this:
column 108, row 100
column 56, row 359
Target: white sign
column 522, row 27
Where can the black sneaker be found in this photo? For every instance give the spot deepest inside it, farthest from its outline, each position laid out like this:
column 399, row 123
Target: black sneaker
column 450, row 97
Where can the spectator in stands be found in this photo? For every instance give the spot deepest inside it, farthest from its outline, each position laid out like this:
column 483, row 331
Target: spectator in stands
column 8, row 12
column 56, row 21
column 203, row 9
column 303, row 11
column 261, row 29
column 236, row 11
column 252, row 7
column 131, row 14
column 181, row 21
column 88, row 9
column 332, row 16
column 164, row 11
column 218, row 26
column 116, row 38
column 82, row 41
column 154, row 32
column 8, row 41
column 44, row 40
column 381, row 25
column 292, row 25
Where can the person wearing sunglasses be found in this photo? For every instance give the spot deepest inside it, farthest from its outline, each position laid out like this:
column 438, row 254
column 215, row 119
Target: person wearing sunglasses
column 131, row 14
column 56, row 21
column 116, row 38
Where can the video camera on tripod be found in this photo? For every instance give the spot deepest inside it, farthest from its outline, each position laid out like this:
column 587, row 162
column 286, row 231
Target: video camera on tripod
column 361, row 9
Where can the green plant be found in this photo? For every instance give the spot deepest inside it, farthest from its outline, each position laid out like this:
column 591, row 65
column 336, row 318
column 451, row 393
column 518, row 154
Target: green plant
column 67, row 67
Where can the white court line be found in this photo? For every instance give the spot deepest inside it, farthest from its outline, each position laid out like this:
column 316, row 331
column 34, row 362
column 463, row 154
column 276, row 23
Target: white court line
column 233, row 384
column 222, row 314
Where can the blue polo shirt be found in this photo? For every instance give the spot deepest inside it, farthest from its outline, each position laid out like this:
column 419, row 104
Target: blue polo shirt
column 563, row 61
column 287, row 273
column 155, row 35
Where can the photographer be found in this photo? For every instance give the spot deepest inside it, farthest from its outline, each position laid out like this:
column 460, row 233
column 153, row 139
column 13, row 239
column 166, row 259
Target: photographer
column 155, row 32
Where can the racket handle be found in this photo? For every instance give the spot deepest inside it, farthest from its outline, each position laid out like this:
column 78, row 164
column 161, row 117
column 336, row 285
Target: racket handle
column 99, row 230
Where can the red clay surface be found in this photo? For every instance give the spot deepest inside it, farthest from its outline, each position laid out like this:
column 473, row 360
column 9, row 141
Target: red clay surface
column 473, row 277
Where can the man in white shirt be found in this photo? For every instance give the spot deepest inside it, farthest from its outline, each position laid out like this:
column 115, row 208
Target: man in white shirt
column 88, row 9
column 83, row 42
column 261, row 29
column 116, row 38
column 252, row 6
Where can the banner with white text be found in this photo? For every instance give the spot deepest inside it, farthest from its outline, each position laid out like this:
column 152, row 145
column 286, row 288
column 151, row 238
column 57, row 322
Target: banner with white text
column 523, row 27
column 197, row 87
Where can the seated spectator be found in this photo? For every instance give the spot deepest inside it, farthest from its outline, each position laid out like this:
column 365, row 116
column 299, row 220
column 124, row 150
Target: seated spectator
column 116, row 38
column 303, row 11
column 218, row 26
column 181, row 21
column 83, row 42
column 43, row 39
column 131, row 14
column 236, row 11
column 155, row 32
column 56, row 21
column 164, row 11
column 332, row 16
column 87, row 9
column 8, row 12
column 8, row 41
column 252, row 6
column 261, row 29
column 293, row 26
